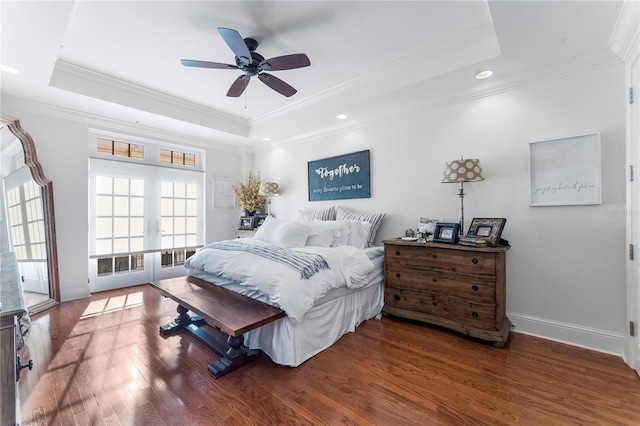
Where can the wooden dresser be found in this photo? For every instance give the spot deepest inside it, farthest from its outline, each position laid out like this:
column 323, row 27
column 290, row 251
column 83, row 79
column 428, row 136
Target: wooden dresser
column 453, row 286
column 13, row 308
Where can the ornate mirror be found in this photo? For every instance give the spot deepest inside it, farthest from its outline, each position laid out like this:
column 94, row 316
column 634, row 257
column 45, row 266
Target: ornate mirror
column 27, row 221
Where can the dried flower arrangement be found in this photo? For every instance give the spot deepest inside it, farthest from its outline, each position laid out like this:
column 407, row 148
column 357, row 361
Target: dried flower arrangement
column 248, row 194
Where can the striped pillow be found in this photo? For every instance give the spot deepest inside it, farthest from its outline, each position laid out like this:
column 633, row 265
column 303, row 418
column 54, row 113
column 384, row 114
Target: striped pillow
column 375, row 219
column 326, row 214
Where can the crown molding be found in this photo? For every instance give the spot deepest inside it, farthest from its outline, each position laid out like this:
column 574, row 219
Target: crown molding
column 626, row 33
column 111, row 124
column 475, row 45
column 559, row 71
column 77, row 79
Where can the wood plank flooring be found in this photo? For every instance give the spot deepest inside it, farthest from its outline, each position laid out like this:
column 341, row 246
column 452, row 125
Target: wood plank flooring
column 101, row 361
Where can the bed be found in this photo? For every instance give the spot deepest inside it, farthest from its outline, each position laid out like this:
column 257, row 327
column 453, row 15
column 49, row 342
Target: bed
column 325, row 274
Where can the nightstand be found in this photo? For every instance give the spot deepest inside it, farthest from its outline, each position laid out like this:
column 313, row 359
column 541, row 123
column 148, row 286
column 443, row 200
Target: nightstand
column 458, row 287
column 244, row 233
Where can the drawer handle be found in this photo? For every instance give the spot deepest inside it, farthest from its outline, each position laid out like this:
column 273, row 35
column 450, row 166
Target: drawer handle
column 434, row 255
column 434, row 279
column 474, row 314
column 396, row 297
column 435, row 303
column 474, row 261
column 397, row 252
column 20, row 366
column 397, row 275
column 474, row 287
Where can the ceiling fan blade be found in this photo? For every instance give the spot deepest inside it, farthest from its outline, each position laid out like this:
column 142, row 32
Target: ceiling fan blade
column 238, row 86
column 235, row 41
column 205, row 64
column 286, row 62
column 276, row 84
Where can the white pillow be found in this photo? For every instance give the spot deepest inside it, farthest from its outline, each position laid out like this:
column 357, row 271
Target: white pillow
column 375, row 219
column 359, row 235
column 328, row 233
column 284, row 234
column 325, row 214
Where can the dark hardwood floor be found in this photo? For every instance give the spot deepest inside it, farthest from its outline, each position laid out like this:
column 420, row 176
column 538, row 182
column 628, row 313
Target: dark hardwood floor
column 102, row 361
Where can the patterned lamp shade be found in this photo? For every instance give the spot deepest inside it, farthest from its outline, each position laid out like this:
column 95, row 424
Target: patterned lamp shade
column 270, row 189
column 463, row 170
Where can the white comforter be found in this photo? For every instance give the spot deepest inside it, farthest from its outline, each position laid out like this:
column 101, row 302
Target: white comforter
column 348, row 267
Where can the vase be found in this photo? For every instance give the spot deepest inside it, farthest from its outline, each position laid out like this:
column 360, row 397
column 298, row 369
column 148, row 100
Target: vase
column 249, row 213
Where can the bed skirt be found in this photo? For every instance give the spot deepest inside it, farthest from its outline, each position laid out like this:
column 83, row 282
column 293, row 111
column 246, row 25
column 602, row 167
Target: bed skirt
column 291, row 344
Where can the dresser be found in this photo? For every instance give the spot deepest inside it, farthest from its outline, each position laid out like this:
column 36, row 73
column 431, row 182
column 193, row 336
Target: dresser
column 453, row 286
column 12, row 313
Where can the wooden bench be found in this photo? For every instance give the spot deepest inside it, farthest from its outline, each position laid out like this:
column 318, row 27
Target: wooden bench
column 219, row 319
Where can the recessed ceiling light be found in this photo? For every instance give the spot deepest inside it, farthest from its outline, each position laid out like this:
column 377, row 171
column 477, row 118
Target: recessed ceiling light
column 266, row 139
column 484, row 74
column 341, row 116
column 7, row 68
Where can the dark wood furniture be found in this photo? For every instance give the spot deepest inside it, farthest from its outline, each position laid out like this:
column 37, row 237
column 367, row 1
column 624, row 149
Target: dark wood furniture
column 458, row 287
column 11, row 310
column 221, row 318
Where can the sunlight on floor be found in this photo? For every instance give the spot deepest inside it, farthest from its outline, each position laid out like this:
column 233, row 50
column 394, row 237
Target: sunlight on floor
column 112, row 304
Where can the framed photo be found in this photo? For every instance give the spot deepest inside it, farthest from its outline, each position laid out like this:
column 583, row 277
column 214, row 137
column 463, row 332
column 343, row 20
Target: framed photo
column 247, row 222
column 486, row 230
column 223, row 195
column 565, row 171
column 260, row 218
column 446, row 233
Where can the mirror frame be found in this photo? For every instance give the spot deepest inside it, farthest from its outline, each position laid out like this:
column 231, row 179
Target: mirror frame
column 31, row 160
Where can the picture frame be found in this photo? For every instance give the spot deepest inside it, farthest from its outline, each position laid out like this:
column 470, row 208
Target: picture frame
column 446, row 233
column 565, row 171
column 247, row 223
column 223, row 195
column 260, row 218
column 486, row 230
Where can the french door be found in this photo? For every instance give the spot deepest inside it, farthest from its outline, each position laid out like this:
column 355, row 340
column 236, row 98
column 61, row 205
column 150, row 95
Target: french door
column 145, row 220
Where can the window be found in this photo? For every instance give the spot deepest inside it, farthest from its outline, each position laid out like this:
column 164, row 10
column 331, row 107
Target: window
column 175, row 157
column 138, row 208
column 26, row 222
column 120, row 149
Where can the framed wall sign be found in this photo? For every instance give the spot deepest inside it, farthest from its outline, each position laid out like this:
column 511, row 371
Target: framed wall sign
column 338, row 178
column 223, row 195
column 565, row 171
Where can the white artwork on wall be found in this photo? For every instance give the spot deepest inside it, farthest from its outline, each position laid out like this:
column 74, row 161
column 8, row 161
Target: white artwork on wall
column 565, row 171
column 223, row 195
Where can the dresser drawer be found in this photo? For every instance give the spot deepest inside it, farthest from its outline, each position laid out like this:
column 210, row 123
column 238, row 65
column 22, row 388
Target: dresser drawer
column 475, row 288
column 463, row 312
column 460, row 261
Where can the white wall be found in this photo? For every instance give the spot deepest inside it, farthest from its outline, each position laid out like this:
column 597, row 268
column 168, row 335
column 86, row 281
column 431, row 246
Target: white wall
column 566, row 268
column 63, row 152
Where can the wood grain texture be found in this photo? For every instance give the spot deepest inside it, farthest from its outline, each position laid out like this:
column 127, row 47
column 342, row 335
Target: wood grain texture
column 102, row 361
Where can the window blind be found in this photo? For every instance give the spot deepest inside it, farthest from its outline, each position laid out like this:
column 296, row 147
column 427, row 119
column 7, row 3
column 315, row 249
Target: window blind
column 141, row 208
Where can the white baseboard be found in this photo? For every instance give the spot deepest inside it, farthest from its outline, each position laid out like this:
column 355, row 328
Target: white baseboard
column 75, row 292
column 576, row 335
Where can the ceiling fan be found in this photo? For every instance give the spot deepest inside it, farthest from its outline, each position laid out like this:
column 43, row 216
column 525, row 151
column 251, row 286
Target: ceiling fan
column 252, row 63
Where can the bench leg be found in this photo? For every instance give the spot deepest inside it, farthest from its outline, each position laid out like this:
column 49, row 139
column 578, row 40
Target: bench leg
column 236, row 356
column 182, row 322
column 233, row 353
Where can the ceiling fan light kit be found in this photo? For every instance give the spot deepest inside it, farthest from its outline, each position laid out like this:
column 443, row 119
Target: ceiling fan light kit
column 252, row 64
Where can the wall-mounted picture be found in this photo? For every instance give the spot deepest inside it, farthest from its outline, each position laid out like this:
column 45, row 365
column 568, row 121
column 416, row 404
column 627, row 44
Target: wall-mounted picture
column 339, row 178
column 223, row 195
column 565, row 171
column 486, row 230
column 446, row 233
column 247, row 222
